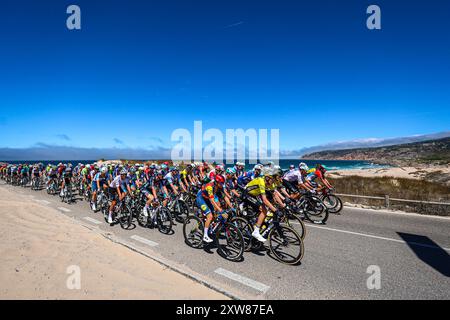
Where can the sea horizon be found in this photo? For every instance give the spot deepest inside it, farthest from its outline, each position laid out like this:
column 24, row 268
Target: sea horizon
column 284, row 163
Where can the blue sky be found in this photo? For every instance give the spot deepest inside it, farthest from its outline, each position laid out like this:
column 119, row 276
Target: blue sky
column 140, row 69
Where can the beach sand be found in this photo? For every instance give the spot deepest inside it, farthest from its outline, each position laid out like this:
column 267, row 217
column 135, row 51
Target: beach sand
column 38, row 244
column 419, row 173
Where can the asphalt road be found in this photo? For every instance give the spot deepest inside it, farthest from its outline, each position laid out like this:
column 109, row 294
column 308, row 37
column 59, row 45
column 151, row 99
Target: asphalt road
column 411, row 252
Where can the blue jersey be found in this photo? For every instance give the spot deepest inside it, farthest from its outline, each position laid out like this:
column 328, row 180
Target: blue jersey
column 245, row 178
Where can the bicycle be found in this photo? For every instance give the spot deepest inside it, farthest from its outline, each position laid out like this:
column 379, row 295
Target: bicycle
column 53, row 187
column 67, row 194
column 178, row 207
column 121, row 214
column 333, row 202
column 35, row 183
column 281, row 240
column 221, row 230
column 312, row 208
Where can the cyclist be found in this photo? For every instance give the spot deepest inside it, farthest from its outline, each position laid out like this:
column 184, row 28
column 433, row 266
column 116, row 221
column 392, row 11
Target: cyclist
column 149, row 191
column 231, row 183
column 240, row 168
column 293, row 180
column 36, row 174
column 66, row 179
column 319, row 173
column 160, row 185
column 99, row 182
column 256, row 189
column 116, row 191
column 173, row 180
column 208, row 203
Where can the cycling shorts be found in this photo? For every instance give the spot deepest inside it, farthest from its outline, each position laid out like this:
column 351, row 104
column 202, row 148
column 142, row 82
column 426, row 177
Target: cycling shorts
column 205, row 205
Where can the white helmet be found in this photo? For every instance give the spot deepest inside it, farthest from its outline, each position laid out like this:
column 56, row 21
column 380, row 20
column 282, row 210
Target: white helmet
column 104, row 170
column 303, row 166
column 258, row 167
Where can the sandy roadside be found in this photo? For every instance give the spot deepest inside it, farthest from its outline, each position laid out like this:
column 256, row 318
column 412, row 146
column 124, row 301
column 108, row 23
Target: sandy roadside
column 38, row 244
column 397, row 172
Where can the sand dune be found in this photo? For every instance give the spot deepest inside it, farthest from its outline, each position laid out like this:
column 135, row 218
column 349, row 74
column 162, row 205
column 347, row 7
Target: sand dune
column 38, row 245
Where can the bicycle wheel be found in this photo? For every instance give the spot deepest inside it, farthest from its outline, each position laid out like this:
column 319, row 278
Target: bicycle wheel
column 246, row 229
column 142, row 219
column 230, row 243
column 296, row 223
column 181, row 211
column 315, row 210
column 286, row 245
column 164, row 220
column 126, row 217
column 333, row 203
column 193, row 229
column 69, row 196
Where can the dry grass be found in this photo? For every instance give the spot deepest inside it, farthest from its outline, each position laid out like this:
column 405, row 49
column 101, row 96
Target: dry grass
column 396, row 188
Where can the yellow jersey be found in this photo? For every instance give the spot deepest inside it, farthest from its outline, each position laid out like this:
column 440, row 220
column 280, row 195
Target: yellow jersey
column 256, row 187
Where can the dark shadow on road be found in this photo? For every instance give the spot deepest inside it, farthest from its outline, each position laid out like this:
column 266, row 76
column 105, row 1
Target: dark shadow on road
column 429, row 252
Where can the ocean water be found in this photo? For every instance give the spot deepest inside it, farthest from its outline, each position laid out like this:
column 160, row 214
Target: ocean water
column 284, row 163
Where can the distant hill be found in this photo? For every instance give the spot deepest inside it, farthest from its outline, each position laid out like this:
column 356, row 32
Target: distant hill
column 372, row 143
column 409, row 154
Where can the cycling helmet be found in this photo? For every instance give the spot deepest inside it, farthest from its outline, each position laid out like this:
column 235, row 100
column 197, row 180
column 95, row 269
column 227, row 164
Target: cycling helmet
column 231, row 171
column 219, row 179
column 104, row 169
column 133, row 170
column 220, row 168
column 303, row 166
column 258, row 167
column 123, row 172
column 69, row 169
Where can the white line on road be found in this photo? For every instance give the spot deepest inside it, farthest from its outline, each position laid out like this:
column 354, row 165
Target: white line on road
column 42, row 201
column 64, row 209
column 401, row 213
column 143, row 240
column 381, row 238
column 244, row 280
column 92, row 220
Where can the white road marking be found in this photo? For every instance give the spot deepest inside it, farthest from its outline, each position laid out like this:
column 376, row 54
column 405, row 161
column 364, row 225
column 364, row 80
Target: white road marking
column 92, row 220
column 378, row 237
column 244, row 280
column 42, row 201
column 145, row 241
column 408, row 214
column 64, row 209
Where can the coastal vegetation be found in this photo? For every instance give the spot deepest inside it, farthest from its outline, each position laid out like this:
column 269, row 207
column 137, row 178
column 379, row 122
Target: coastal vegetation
column 395, row 188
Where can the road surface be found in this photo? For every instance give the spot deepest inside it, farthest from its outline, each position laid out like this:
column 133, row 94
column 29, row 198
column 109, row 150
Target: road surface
column 411, row 253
